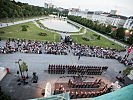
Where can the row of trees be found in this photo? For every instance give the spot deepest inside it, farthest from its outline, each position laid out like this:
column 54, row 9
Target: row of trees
column 102, row 28
column 12, row 9
column 119, row 33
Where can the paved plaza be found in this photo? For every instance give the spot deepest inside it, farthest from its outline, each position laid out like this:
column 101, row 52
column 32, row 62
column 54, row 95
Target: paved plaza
column 39, row 63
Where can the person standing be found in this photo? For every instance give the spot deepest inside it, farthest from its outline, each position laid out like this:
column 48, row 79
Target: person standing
column 79, row 57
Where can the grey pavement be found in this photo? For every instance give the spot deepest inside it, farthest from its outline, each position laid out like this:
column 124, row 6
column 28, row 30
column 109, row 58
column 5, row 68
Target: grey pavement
column 39, row 63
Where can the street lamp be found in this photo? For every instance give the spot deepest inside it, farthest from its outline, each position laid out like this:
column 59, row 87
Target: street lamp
column 127, row 31
column 19, row 66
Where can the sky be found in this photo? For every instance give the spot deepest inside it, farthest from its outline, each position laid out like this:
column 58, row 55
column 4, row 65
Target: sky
column 124, row 7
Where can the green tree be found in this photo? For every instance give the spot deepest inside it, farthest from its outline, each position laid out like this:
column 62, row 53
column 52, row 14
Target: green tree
column 24, row 67
column 130, row 40
column 120, row 33
column 113, row 34
column 108, row 29
column 3, row 14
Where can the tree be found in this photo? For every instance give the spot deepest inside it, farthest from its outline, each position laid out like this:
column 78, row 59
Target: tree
column 23, row 67
column 113, row 34
column 108, row 29
column 3, row 14
column 24, row 27
column 120, row 33
column 130, row 40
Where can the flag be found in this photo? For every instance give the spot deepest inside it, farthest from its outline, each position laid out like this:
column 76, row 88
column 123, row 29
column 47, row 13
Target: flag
column 130, row 49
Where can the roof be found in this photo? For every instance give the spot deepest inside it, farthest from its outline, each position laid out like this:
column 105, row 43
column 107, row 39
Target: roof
column 90, row 12
column 125, row 93
column 118, row 16
column 63, row 96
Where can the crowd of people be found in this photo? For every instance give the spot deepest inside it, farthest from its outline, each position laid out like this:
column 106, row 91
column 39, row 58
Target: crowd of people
column 56, row 48
column 96, row 51
column 93, row 51
column 62, row 48
column 73, row 69
column 36, row 47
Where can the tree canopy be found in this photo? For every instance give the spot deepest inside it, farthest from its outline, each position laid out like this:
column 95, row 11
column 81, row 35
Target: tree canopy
column 12, row 9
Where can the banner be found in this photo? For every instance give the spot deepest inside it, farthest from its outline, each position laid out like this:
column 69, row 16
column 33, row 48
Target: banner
column 130, row 49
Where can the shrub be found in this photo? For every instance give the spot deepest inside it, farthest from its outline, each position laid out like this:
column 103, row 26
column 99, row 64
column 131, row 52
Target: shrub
column 24, row 27
column 85, row 38
column 127, row 71
column 95, row 35
column 2, row 32
column 98, row 37
column 42, row 34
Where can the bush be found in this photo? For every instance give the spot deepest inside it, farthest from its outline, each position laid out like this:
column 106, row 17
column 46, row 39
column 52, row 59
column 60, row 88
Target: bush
column 2, row 32
column 85, row 38
column 42, row 34
column 24, row 27
column 95, row 35
column 98, row 37
column 127, row 71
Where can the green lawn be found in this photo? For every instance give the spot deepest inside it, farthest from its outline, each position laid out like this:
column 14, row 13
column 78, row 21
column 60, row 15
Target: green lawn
column 32, row 33
column 103, row 42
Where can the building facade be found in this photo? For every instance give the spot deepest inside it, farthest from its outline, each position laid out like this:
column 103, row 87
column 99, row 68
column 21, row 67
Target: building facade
column 129, row 23
column 103, row 17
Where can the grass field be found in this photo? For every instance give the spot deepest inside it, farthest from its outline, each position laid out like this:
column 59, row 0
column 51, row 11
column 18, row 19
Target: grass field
column 15, row 32
column 103, row 42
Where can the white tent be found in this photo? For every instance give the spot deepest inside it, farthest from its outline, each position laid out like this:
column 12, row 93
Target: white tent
column 48, row 90
column 115, row 86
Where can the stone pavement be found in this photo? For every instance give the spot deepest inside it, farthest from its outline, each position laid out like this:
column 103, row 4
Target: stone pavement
column 39, row 63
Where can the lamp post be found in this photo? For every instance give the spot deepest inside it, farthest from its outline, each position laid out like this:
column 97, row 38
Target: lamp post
column 127, row 32
column 19, row 66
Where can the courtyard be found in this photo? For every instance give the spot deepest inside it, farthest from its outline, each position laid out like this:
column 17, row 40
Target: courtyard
column 39, row 63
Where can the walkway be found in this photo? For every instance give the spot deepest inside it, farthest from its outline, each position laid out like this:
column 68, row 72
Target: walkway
column 61, row 33
column 19, row 22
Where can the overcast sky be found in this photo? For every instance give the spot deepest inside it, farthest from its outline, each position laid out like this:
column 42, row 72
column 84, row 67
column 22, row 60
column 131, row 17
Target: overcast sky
column 124, row 7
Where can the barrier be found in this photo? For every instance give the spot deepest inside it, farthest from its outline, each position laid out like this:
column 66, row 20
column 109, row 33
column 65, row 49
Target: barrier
column 3, row 72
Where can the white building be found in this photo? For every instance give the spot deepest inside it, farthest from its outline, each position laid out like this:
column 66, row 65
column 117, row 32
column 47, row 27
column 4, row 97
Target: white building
column 102, row 17
column 48, row 5
column 83, row 14
column 129, row 23
column 74, row 11
column 113, row 12
column 116, row 20
column 89, row 15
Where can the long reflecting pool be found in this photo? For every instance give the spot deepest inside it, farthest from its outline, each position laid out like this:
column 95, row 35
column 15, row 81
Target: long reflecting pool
column 59, row 25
